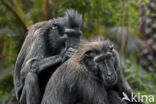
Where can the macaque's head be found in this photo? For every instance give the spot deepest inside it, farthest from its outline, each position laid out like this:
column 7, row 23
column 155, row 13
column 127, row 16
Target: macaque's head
column 65, row 31
column 101, row 59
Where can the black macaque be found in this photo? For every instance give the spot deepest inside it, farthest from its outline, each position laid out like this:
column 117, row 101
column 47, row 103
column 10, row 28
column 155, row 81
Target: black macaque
column 47, row 45
column 91, row 76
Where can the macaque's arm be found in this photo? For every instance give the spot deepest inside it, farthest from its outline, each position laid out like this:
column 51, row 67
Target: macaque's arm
column 37, row 65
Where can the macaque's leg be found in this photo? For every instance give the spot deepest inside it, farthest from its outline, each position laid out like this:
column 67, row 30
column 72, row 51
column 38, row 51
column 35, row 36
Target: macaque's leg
column 114, row 98
column 31, row 93
column 123, row 86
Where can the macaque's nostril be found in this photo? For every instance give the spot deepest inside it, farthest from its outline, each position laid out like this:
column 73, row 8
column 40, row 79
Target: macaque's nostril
column 109, row 74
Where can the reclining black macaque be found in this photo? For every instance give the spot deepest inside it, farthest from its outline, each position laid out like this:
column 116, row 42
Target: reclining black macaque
column 91, row 76
column 47, row 45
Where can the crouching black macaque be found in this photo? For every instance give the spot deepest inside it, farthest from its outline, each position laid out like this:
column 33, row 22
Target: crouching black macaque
column 90, row 76
column 47, row 45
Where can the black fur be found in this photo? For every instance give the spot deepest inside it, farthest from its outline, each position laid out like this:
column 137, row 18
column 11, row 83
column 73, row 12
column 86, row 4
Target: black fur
column 69, row 85
column 81, row 80
column 42, row 52
column 75, row 82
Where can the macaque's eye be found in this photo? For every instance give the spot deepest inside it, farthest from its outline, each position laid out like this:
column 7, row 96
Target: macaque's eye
column 55, row 26
column 111, row 47
column 91, row 54
column 58, row 27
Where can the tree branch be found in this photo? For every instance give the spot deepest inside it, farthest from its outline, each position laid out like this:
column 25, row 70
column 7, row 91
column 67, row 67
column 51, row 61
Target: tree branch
column 123, row 26
column 12, row 10
column 45, row 9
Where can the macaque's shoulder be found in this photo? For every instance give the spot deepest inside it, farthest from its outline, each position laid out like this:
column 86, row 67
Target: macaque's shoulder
column 39, row 25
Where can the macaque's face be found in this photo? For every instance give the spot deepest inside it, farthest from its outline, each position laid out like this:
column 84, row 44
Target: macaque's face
column 65, row 31
column 56, row 38
column 62, row 37
column 103, row 64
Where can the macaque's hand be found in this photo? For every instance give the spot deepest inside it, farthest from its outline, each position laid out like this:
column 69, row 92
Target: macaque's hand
column 34, row 66
column 69, row 53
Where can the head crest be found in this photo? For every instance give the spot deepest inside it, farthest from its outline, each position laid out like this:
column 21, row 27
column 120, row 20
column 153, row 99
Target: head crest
column 74, row 18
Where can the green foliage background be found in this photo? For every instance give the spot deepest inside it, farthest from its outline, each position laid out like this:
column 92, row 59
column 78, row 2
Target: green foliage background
column 98, row 15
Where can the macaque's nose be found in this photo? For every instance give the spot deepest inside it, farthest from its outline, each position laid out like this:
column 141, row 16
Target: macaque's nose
column 108, row 54
column 73, row 32
column 109, row 74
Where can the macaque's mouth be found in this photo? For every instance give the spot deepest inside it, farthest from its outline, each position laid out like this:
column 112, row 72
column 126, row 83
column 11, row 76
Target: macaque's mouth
column 60, row 48
column 109, row 81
